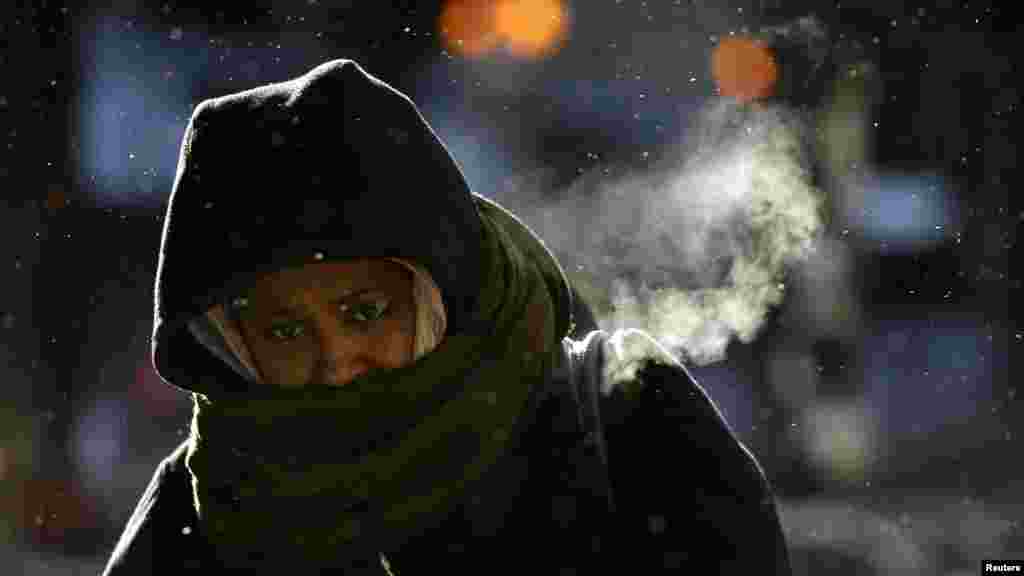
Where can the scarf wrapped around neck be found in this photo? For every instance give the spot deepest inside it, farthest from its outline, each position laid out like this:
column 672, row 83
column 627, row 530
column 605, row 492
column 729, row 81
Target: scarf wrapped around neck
column 321, row 474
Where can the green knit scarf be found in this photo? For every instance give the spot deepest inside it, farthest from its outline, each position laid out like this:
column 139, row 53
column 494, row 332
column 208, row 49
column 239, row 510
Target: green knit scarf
column 321, row 473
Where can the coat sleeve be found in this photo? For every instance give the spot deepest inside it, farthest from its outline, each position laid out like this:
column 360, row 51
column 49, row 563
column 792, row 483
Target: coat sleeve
column 687, row 492
column 161, row 536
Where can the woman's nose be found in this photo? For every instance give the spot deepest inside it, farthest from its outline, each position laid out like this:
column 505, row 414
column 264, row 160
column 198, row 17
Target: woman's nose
column 342, row 356
column 338, row 374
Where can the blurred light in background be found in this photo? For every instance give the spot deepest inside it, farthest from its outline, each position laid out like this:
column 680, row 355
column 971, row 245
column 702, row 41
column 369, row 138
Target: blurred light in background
column 110, row 473
column 906, row 212
column 841, row 437
column 532, row 28
column 925, row 391
column 931, row 379
column 528, row 29
column 139, row 88
column 743, row 68
column 98, row 433
column 134, row 108
column 54, row 510
column 846, row 137
column 467, row 27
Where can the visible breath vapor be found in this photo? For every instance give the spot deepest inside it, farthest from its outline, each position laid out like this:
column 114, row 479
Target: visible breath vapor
column 697, row 254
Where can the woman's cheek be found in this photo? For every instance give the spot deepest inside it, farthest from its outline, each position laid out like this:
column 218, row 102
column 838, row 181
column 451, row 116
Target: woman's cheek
column 398, row 344
column 292, row 369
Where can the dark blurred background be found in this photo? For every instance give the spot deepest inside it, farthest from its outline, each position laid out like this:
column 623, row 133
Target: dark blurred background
column 877, row 396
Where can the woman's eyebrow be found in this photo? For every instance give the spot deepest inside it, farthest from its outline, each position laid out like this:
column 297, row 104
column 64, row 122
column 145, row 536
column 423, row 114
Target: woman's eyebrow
column 284, row 310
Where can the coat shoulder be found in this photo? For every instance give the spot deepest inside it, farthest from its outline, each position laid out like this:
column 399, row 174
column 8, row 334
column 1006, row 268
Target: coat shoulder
column 163, row 524
column 642, row 382
column 677, row 465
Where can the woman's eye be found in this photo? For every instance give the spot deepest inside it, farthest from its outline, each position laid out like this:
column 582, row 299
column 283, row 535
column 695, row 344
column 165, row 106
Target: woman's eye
column 359, row 313
column 286, row 331
column 367, row 311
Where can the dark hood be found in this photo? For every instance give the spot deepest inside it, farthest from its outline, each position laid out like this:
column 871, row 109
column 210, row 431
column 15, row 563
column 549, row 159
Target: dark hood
column 331, row 165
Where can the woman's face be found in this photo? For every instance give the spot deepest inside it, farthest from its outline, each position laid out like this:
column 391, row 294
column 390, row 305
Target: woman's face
column 328, row 322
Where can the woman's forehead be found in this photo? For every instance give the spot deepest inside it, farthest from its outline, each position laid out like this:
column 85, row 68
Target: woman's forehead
column 336, row 277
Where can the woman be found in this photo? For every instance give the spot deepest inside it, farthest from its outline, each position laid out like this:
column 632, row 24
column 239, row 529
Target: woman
column 379, row 363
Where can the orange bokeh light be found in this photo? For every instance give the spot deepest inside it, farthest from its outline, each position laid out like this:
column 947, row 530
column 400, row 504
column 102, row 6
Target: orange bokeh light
column 744, row 68
column 51, row 509
column 531, row 28
column 526, row 28
column 467, row 27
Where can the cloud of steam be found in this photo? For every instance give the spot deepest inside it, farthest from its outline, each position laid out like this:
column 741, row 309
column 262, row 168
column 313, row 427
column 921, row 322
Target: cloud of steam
column 697, row 253
column 745, row 210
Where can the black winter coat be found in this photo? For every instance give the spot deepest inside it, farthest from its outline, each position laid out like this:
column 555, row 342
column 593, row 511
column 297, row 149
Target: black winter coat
column 665, row 488
column 649, row 481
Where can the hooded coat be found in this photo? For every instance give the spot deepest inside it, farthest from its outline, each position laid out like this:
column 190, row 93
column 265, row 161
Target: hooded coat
column 642, row 474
